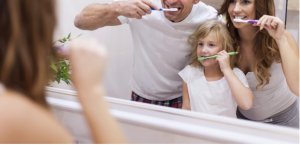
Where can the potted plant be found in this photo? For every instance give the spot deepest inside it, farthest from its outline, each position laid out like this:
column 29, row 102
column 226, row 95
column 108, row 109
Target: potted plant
column 61, row 67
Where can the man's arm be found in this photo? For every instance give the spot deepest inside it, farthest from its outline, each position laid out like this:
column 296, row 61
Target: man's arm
column 96, row 16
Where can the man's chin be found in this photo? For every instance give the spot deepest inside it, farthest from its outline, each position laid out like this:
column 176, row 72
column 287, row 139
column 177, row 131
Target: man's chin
column 170, row 17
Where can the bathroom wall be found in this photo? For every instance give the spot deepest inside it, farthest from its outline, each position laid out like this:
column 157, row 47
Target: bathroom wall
column 119, row 42
column 292, row 24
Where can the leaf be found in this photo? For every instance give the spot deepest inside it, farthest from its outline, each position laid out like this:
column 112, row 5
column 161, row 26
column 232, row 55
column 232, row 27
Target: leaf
column 79, row 35
column 54, row 67
column 54, row 42
column 66, row 81
column 57, row 80
column 69, row 36
column 75, row 37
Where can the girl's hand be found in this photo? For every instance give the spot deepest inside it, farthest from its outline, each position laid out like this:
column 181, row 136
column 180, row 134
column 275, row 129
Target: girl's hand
column 224, row 61
column 87, row 60
column 273, row 25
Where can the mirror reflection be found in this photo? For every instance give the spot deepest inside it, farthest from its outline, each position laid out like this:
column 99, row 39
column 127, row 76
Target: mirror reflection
column 146, row 54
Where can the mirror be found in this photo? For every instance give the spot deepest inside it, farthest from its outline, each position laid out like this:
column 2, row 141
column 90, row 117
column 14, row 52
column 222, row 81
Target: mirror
column 118, row 69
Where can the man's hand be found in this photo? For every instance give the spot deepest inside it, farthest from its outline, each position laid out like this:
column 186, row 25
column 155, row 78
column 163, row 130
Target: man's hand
column 134, row 8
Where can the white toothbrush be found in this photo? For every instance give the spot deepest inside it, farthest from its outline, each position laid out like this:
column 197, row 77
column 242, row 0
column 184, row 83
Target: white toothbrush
column 245, row 21
column 161, row 9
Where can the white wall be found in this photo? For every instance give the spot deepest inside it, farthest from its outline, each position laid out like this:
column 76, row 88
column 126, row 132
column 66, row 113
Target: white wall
column 117, row 39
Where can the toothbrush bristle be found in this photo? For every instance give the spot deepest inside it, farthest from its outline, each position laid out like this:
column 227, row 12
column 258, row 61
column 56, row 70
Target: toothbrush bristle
column 239, row 20
column 171, row 9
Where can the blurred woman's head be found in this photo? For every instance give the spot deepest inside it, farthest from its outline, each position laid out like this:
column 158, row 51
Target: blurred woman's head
column 25, row 46
column 265, row 48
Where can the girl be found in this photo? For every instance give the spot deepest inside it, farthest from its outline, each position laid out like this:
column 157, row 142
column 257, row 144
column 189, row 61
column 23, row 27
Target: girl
column 269, row 57
column 213, row 86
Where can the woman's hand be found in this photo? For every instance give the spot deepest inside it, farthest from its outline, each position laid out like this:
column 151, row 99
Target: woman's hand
column 224, row 61
column 87, row 60
column 273, row 25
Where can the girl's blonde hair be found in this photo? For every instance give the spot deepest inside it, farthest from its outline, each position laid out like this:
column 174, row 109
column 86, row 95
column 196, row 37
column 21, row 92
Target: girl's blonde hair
column 221, row 34
column 265, row 49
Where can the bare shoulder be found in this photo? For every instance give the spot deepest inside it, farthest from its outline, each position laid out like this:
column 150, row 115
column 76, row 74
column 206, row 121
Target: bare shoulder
column 23, row 121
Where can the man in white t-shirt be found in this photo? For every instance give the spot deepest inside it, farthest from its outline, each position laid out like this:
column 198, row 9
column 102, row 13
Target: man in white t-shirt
column 160, row 42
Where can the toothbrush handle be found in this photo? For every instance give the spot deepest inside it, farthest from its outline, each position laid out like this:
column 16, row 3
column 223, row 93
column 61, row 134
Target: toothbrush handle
column 215, row 56
column 156, row 10
column 232, row 53
column 229, row 53
column 252, row 21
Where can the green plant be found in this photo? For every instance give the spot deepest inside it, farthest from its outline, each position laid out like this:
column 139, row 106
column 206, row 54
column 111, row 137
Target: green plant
column 61, row 67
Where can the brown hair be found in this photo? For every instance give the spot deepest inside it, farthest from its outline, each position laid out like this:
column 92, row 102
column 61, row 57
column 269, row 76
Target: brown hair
column 265, row 48
column 221, row 33
column 25, row 46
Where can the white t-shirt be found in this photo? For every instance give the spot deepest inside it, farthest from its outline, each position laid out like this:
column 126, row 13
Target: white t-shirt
column 161, row 50
column 210, row 97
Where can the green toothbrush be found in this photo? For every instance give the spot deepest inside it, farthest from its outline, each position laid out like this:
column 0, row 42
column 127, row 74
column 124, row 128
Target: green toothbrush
column 215, row 56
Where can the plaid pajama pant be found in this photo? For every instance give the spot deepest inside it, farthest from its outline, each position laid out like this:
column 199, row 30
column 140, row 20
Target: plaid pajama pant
column 175, row 103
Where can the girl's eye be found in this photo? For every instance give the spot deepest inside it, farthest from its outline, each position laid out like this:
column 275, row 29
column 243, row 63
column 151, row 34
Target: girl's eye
column 231, row 1
column 211, row 45
column 200, row 44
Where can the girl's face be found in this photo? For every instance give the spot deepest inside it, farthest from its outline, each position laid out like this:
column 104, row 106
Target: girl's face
column 241, row 9
column 208, row 46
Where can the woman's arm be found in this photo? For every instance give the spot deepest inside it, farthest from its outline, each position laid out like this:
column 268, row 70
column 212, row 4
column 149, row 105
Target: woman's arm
column 288, row 48
column 242, row 95
column 88, row 83
column 185, row 97
column 289, row 53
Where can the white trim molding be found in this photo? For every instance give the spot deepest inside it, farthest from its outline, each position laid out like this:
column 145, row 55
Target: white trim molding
column 145, row 123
